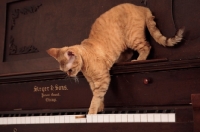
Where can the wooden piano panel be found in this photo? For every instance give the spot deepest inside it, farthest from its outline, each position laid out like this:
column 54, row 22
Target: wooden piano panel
column 196, row 111
column 29, row 28
column 55, row 94
column 165, row 88
column 170, row 16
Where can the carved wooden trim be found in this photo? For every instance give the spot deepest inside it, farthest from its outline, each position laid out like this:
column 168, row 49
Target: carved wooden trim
column 14, row 50
column 26, row 10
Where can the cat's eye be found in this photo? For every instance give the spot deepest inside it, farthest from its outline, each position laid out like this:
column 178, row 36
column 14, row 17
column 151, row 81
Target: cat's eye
column 62, row 63
column 70, row 53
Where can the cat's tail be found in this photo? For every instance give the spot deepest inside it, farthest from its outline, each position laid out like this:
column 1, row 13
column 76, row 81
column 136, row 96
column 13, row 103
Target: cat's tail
column 158, row 37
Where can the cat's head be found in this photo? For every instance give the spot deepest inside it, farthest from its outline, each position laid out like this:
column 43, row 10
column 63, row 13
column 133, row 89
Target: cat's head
column 69, row 59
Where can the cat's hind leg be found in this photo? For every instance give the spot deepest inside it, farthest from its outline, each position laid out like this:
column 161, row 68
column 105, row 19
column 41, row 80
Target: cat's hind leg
column 125, row 56
column 143, row 48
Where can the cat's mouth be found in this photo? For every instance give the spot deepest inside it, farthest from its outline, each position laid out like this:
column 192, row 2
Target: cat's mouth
column 71, row 73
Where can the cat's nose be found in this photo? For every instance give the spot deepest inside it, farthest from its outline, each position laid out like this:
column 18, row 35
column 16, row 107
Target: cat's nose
column 69, row 72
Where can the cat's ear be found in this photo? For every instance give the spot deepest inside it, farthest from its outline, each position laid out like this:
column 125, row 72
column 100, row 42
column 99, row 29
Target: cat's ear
column 70, row 57
column 53, row 52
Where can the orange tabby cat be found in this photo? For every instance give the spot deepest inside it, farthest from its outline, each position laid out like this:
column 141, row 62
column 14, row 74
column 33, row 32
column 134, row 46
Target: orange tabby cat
column 116, row 30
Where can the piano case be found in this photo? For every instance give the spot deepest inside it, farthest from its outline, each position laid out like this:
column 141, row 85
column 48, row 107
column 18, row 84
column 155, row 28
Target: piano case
column 30, row 80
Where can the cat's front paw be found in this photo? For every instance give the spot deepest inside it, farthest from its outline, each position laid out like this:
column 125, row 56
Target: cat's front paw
column 101, row 107
column 92, row 111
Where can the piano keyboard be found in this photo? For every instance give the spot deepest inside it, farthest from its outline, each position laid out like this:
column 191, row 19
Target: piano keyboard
column 81, row 117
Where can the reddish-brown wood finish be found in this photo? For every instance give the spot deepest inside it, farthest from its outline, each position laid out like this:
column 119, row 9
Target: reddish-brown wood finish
column 196, row 111
column 172, row 87
column 105, row 127
column 31, row 80
column 62, row 23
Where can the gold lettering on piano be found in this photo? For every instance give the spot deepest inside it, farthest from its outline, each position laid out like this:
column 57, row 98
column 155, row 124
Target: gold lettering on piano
column 50, row 93
column 55, row 94
column 45, row 95
column 51, row 100
column 50, row 88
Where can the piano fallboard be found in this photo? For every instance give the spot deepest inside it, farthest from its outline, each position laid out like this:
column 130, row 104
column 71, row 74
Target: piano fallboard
column 153, row 88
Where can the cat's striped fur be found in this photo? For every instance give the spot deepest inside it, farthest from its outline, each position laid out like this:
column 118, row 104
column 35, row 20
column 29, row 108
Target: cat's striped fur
column 112, row 33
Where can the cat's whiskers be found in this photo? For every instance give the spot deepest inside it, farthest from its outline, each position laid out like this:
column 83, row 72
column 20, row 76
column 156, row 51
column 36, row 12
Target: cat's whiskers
column 76, row 79
column 66, row 76
column 69, row 78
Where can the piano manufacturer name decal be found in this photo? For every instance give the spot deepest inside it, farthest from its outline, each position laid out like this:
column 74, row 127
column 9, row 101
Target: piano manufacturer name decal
column 50, row 93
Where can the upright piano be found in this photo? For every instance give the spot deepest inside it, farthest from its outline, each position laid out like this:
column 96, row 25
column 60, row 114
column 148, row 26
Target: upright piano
column 160, row 94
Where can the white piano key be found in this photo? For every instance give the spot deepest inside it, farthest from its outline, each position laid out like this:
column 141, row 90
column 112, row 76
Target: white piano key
column 94, row 118
column 46, row 119
column 137, row 118
column 79, row 118
column 62, row 119
column 157, row 118
column 112, row 117
column 32, row 118
column 150, row 117
column 164, row 117
column 42, row 120
column 14, row 120
column 106, row 118
column 37, row 119
column 118, row 118
column 143, row 117
column 56, row 119
column 18, row 120
column 124, row 118
column 52, row 119
column 89, row 118
column 171, row 117
column 100, row 117
column 23, row 120
column 9, row 120
column 83, row 120
column 3, row 120
column 130, row 117
column 72, row 119
column 27, row 120
column 66, row 118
